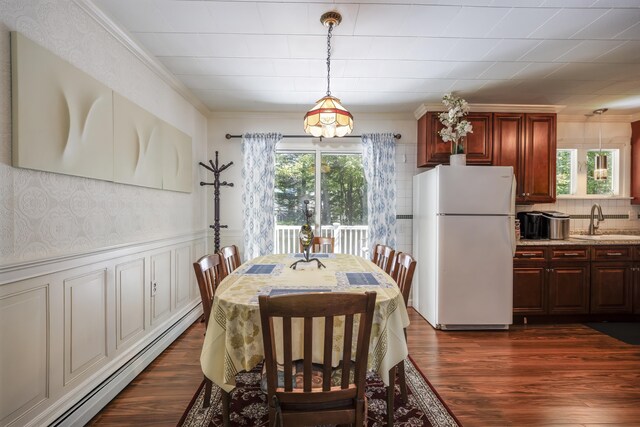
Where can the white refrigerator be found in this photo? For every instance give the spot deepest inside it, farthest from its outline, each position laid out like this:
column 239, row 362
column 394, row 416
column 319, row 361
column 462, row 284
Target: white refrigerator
column 464, row 242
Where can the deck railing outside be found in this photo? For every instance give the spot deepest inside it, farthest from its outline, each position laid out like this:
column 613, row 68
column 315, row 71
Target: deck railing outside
column 349, row 239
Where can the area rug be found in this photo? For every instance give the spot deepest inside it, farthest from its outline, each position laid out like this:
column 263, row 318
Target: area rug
column 249, row 408
column 628, row 332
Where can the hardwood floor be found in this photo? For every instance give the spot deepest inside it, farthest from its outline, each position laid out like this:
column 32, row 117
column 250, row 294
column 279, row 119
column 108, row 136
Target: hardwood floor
column 542, row 375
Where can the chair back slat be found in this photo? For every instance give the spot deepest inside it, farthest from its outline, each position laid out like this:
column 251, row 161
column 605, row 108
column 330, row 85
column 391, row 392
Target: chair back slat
column 231, row 259
column 328, row 353
column 383, row 257
column 208, row 272
column 287, row 349
column 308, row 353
column 306, row 307
column 404, row 267
column 348, row 340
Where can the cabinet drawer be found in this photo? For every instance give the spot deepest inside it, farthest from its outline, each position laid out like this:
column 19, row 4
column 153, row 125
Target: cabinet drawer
column 612, row 253
column 530, row 253
column 575, row 254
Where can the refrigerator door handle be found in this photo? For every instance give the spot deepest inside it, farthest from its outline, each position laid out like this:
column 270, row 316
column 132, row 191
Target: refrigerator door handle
column 512, row 234
column 512, row 217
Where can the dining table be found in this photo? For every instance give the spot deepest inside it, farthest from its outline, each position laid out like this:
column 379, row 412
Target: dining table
column 233, row 340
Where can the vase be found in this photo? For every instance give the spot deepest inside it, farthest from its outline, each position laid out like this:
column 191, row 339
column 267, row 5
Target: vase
column 458, row 160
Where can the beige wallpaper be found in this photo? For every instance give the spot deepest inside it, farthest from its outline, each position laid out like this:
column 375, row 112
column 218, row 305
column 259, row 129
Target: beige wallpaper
column 44, row 214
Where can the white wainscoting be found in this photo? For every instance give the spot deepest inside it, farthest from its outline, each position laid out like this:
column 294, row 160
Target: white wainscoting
column 74, row 331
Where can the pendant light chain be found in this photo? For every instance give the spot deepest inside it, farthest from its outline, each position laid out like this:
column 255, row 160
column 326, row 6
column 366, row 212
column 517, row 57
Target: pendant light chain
column 329, row 60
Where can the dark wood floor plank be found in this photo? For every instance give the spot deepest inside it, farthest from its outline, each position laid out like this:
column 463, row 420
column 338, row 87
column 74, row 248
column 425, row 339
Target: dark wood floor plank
column 544, row 375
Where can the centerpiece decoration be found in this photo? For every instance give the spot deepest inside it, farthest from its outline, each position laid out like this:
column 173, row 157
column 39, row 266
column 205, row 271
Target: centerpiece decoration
column 455, row 127
column 306, row 239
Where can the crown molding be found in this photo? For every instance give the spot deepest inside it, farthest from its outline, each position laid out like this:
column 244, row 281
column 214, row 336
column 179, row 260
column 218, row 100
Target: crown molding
column 493, row 108
column 139, row 52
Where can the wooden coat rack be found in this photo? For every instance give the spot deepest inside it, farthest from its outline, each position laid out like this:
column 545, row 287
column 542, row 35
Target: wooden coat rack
column 216, row 170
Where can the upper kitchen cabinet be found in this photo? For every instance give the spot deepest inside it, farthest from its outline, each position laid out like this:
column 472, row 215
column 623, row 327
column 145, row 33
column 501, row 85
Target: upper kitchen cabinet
column 528, row 143
column 635, row 163
column 432, row 150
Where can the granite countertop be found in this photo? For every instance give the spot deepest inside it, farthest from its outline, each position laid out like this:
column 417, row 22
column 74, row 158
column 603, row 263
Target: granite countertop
column 619, row 240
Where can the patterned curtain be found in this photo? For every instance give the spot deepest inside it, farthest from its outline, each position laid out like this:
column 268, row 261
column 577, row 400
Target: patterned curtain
column 259, row 174
column 379, row 161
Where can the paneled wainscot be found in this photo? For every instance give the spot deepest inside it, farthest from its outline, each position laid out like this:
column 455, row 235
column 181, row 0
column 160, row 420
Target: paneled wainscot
column 76, row 330
column 576, row 281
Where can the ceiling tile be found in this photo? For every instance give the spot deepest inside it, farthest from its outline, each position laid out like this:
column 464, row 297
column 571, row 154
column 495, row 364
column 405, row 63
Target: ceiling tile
column 173, row 44
column 471, row 49
column 468, row 70
column 472, row 21
column 138, row 16
column 267, row 45
column 430, row 49
column 538, row 70
column 510, row 49
column 429, row 20
column 220, row 66
column 503, row 70
column 621, row 88
column 549, row 50
column 521, row 22
column 589, row 50
column 381, row 20
column 608, row 26
column 566, row 23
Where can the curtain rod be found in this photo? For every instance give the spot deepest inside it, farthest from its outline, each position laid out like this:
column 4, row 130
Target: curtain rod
column 395, row 135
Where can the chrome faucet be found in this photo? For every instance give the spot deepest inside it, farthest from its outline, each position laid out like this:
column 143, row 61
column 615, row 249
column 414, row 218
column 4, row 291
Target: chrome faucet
column 593, row 227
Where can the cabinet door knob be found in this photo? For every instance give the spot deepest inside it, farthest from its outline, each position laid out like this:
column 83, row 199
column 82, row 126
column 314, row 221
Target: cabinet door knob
column 528, row 194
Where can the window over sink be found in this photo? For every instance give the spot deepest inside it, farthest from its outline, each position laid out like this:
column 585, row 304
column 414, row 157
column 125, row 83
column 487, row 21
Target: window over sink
column 574, row 171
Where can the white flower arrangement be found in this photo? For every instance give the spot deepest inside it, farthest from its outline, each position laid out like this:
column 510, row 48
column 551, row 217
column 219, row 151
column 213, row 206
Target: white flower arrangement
column 456, row 127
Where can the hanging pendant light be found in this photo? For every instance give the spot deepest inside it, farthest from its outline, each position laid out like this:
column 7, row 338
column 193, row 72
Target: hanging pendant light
column 600, row 169
column 328, row 118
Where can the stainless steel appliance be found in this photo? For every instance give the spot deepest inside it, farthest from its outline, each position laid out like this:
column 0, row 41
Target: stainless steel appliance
column 558, row 224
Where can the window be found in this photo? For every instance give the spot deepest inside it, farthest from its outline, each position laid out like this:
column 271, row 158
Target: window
column 574, row 171
column 332, row 181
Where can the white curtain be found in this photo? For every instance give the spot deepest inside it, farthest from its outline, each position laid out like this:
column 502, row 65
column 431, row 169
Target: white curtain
column 379, row 162
column 259, row 174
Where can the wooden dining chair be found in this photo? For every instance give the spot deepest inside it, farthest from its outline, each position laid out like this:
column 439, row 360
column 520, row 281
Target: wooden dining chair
column 208, row 271
column 383, row 257
column 403, row 268
column 322, row 244
column 230, row 259
column 303, row 393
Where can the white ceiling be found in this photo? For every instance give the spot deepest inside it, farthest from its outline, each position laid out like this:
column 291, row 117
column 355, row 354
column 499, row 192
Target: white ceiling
column 392, row 56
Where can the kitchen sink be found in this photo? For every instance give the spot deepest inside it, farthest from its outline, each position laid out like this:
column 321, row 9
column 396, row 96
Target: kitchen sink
column 605, row 237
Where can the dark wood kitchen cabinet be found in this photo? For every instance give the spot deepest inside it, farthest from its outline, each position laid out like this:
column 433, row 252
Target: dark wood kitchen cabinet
column 636, row 279
column 612, row 279
column 530, row 280
column 432, row 150
column 549, row 280
column 527, row 142
column 569, row 276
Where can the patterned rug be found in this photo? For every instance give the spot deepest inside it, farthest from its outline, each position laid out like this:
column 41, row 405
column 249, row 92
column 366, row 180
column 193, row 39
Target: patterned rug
column 249, row 408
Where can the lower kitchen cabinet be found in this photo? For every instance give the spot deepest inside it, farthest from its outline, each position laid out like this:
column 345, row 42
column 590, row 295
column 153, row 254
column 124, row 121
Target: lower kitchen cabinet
column 547, row 280
column 576, row 280
column 529, row 290
column 569, row 288
column 611, row 287
column 636, row 290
